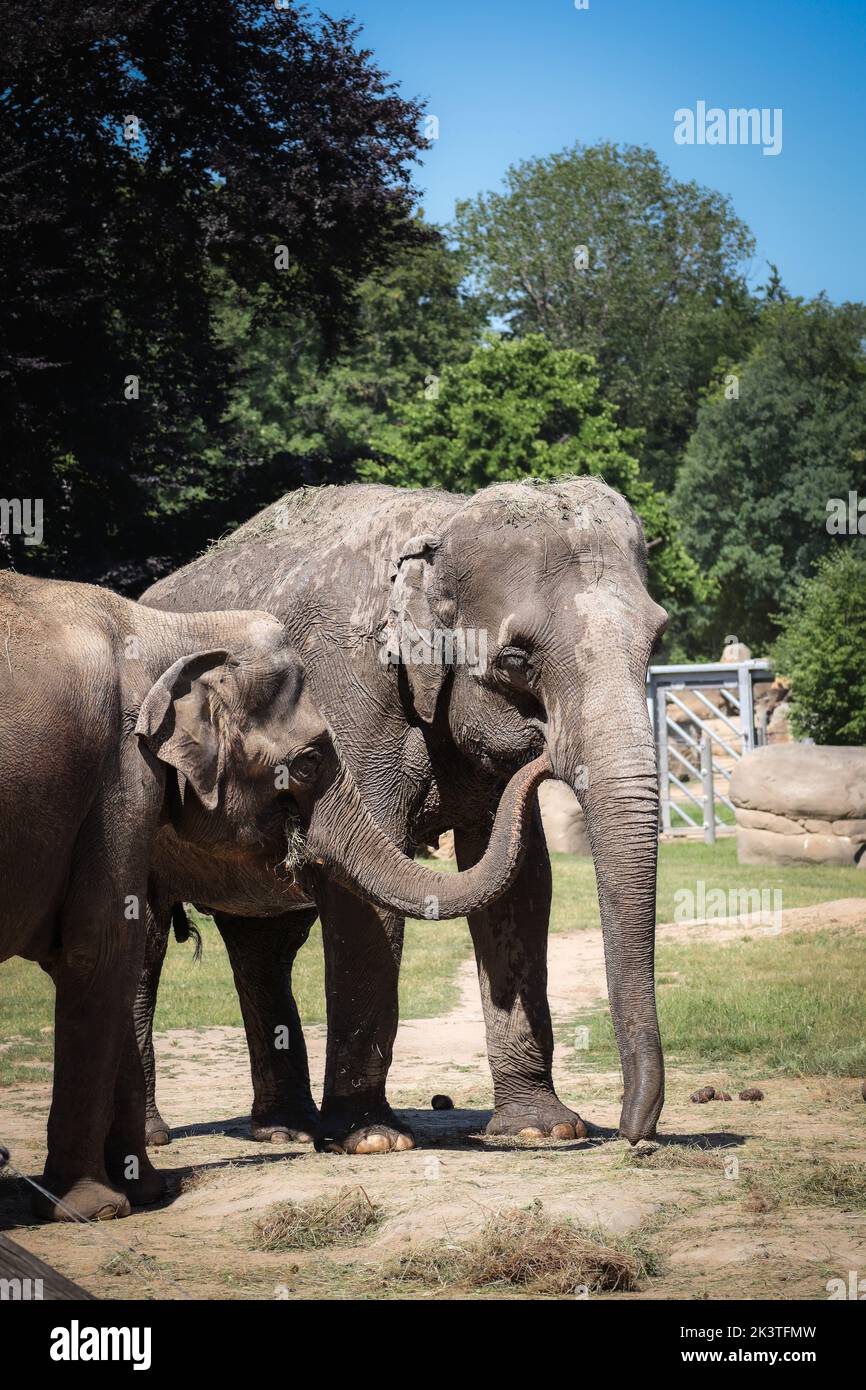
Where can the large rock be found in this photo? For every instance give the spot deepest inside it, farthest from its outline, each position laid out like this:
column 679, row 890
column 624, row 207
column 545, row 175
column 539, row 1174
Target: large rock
column 563, row 819
column 800, row 803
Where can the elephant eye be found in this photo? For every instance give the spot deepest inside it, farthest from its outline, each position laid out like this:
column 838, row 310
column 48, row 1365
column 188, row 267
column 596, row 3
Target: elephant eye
column 304, row 767
column 514, row 664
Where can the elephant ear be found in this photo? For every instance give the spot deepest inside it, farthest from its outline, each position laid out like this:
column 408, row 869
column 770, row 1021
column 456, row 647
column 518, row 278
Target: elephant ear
column 421, row 604
column 177, row 724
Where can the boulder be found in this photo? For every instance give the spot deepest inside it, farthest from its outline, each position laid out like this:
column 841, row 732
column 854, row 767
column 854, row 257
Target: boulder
column 443, row 849
column 563, row 819
column 734, row 650
column 800, row 803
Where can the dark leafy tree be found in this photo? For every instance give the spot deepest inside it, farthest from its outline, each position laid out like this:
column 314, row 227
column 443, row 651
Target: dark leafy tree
column 146, row 151
column 762, row 465
column 313, row 422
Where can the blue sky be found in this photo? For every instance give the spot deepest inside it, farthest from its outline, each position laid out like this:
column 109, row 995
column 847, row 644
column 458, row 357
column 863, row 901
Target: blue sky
column 510, row 80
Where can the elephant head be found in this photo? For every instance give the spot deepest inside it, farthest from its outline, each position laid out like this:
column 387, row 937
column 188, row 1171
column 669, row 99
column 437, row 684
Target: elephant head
column 257, row 773
column 526, row 625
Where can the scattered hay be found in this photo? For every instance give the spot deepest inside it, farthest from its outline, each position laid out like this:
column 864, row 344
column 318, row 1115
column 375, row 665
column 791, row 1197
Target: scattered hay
column 526, row 1249
column 319, row 1222
column 127, row 1263
column 201, row 1177
column 672, row 1156
column 821, row 1184
column 760, row 1197
column 840, row 1185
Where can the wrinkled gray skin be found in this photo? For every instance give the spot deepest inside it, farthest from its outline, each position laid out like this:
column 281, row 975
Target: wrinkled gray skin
column 555, row 576
column 129, row 737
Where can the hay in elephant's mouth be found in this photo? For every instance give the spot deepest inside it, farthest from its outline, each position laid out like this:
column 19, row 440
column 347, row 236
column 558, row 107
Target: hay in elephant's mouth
column 296, row 848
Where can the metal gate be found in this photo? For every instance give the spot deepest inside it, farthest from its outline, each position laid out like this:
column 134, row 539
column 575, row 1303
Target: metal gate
column 716, row 735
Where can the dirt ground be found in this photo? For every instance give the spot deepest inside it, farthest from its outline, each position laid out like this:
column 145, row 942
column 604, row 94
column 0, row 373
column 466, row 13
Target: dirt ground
column 698, row 1217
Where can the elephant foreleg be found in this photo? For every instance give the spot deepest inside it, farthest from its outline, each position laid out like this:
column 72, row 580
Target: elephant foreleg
column 363, row 947
column 262, row 952
column 510, row 939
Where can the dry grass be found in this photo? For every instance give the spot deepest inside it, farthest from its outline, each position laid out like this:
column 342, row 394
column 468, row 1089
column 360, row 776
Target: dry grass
column 316, row 1223
column 202, row 1177
column 524, row 1249
column 821, row 1184
column 672, row 1156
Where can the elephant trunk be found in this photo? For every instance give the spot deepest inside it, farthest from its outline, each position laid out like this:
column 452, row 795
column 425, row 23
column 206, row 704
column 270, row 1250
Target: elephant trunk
column 617, row 784
column 344, row 838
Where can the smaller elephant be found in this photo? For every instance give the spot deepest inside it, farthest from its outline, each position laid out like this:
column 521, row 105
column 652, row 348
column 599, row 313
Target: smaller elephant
column 121, row 727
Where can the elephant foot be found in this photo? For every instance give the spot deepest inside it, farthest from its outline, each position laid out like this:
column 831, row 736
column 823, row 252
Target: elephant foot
column 88, row 1199
column 285, row 1126
column 147, row 1187
column 541, row 1117
column 156, row 1131
column 144, row 1191
column 376, row 1130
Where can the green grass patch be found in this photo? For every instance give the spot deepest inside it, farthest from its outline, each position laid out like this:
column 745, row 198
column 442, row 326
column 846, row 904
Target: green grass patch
column 682, row 863
column 792, row 1004
column 198, row 994
column 797, row 1031
column 723, row 813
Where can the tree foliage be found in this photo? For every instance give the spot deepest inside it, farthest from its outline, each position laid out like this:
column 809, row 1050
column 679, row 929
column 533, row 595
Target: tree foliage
column 254, row 127
column 759, row 470
column 527, row 409
column 314, row 421
column 660, row 300
column 822, row 648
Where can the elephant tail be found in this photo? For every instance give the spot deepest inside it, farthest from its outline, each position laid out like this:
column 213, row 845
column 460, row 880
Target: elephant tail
column 184, row 929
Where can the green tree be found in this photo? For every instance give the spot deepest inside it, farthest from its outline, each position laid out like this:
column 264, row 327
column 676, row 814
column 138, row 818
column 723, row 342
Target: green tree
column 768, row 453
column 659, row 299
column 312, row 420
column 142, row 148
column 518, row 409
column 822, row 648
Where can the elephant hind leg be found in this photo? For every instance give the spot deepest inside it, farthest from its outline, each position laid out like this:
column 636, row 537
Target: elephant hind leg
column 159, row 915
column 262, row 952
column 126, row 1160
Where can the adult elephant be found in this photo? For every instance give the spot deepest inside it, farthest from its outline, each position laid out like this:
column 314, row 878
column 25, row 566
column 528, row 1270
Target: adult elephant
column 377, row 587
column 133, row 740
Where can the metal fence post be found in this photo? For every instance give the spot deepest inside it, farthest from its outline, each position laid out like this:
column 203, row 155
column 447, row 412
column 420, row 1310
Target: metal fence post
column 747, row 706
column 664, row 765
column 708, row 795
